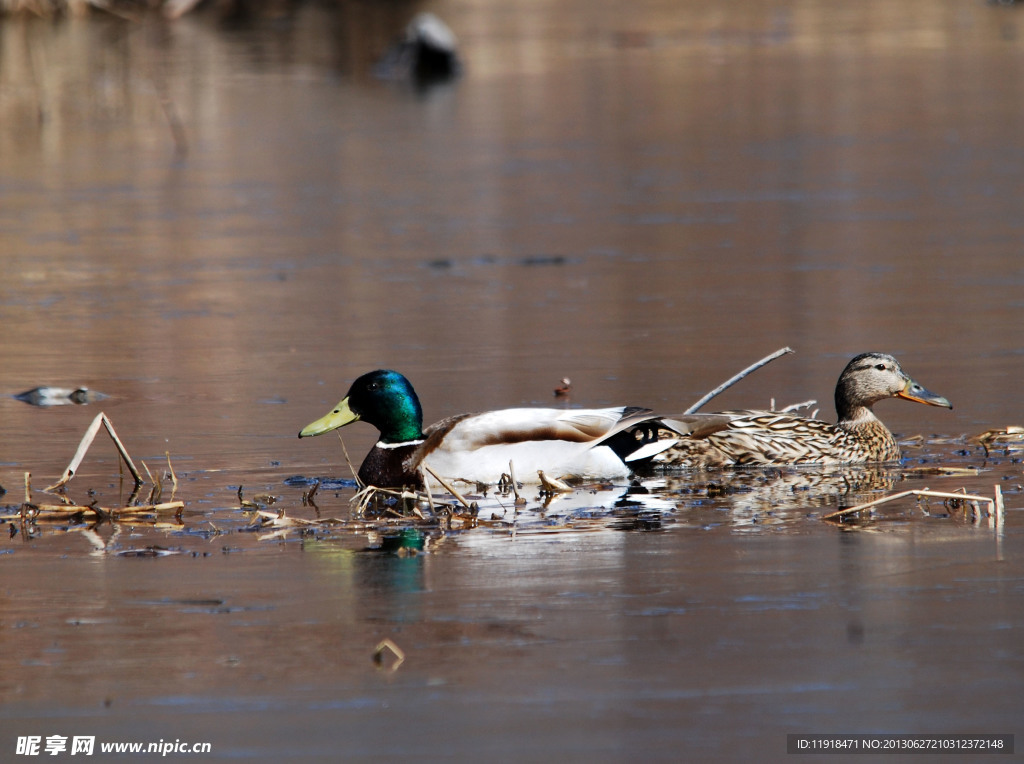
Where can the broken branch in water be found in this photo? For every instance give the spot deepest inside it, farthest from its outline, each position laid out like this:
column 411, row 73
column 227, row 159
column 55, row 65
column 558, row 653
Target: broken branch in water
column 61, row 512
column 83, row 448
column 995, row 505
column 730, row 382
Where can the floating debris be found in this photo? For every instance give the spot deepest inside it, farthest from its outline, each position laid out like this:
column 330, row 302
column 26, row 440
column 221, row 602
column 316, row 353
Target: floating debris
column 148, row 551
column 426, row 53
column 550, row 485
column 1003, row 436
column 67, row 510
column 258, row 501
column 64, row 512
column 564, row 387
column 60, row 396
column 308, row 496
column 535, row 260
column 395, row 650
column 280, row 519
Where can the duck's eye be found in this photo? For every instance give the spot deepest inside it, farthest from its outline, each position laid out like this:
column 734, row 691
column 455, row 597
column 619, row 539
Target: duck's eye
column 880, row 366
column 373, row 386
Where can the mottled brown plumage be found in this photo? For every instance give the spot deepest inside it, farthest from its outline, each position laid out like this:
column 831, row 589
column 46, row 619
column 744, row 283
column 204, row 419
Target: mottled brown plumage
column 767, row 437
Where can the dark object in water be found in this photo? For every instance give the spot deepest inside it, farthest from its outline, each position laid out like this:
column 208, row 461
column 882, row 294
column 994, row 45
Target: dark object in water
column 59, row 396
column 543, row 260
column 564, row 388
column 425, row 53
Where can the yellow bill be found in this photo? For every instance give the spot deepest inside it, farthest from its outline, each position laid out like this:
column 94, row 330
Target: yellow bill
column 339, row 417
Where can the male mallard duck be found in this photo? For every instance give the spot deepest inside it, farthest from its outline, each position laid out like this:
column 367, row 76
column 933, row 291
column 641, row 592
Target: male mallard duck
column 582, row 443
column 767, row 437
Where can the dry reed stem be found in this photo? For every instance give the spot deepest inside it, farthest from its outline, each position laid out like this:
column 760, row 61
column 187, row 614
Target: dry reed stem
column 154, row 493
column 307, row 498
column 915, row 492
column 447, row 486
column 365, row 495
column 348, row 461
column 512, row 480
column 733, row 380
column 83, row 448
column 426, row 488
column 174, row 477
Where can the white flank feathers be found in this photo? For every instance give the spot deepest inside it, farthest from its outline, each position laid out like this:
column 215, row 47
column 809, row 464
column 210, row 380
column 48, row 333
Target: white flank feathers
column 562, row 443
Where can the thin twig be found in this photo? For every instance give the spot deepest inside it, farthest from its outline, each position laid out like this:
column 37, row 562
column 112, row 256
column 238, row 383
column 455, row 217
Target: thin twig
column 729, row 383
column 154, row 494
column 349, row 461
column 794, row 406
column 447, row 486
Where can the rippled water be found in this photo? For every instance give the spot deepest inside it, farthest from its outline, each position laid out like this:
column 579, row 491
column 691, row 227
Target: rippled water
column 219, row 225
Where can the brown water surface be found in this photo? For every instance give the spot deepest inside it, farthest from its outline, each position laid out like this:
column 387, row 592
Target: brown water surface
column 643, row 197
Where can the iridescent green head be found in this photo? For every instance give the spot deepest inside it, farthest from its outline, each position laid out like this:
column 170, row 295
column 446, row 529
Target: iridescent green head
column 385, row 399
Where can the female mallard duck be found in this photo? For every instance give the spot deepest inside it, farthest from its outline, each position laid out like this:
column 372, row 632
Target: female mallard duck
column 766, row 437
column 579, row 443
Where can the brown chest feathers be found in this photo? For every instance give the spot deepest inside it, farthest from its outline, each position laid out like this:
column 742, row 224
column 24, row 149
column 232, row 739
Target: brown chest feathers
column 392, row 467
